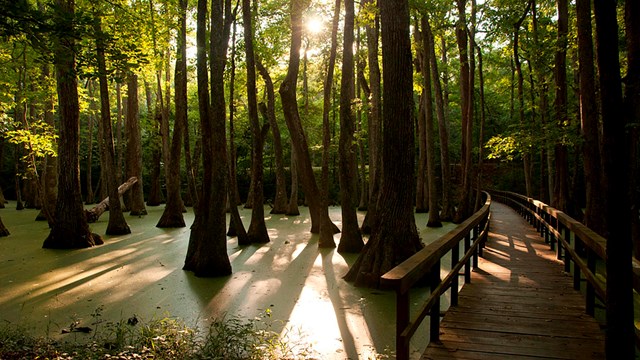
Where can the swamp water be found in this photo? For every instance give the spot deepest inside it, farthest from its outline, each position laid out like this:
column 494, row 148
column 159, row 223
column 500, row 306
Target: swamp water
column 141, row 274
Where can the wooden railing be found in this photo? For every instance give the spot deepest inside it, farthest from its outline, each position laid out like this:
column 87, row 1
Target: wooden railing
column 425, row 265
column 574, row 243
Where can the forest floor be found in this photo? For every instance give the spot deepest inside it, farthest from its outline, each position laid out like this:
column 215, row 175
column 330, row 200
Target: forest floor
column 141, row 275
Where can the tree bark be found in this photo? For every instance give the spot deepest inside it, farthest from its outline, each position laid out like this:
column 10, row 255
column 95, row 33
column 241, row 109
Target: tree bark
column 134, row 148
column 70, row 229
column 351, row 238
column 319, row 214
column 619, row 334
column 172, row 215
column 292, row 209
column 394, row 234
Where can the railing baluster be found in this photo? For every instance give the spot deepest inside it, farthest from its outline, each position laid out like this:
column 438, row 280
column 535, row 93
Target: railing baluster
column 434, row 329
column 455, row 256
column 591, row 292
column 467, row 268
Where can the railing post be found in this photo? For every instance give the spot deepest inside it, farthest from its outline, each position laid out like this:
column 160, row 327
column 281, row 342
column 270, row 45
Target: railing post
column 434, row 328
column 402, row 321
column 455, row 256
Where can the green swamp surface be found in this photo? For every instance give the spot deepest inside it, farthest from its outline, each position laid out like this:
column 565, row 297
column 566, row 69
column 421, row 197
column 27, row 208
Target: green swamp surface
column 141, row 274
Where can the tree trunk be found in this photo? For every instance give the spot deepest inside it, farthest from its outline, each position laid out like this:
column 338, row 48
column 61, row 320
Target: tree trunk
column 155, row 197
column 394, row 234
column 172, row 215
column 292, row 209
column 233, row 157
column 422, row 193
column 561, row 182
column 466, row 88
column 432, row 189
column 632, row 107
column 520, row 78
column 446, row 213
column 319, row 214
column 589, row 121
column 117, row 224
column 619, row 334
column 70, row 229
column 350, row 239
column 134, row 148
column 207, row 251
column 326, row 105
column 280, row 201
column 95, row 212
column 375, row 121
column 257, row 229
column 50, row 173
column 90, row 197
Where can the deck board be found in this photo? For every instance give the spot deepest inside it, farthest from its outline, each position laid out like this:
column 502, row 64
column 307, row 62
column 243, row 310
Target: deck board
column 519, row 304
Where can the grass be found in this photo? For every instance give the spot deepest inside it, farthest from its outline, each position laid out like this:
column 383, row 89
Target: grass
column 228, row 338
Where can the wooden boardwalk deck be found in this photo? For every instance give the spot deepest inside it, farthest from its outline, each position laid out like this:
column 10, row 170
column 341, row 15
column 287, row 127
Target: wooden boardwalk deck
column 519, row 304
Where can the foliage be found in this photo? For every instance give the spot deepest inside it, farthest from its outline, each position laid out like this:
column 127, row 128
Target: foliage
column 227, row 338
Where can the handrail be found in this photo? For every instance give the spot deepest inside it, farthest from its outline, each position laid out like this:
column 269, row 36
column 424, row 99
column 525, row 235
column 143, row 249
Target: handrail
column 426, row 263
column 581, row 245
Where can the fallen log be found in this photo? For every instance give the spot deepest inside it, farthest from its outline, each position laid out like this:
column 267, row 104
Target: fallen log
column 95, row 212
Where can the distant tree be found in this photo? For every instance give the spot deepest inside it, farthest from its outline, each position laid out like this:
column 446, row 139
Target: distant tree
column 466, row 109
column 430, row 138
column 174, row 207
column 319, row 215
column 117, row 224
column 280, row 201
column 133, row 156
column 589, row 120
column 350, row 237
column 257, row 229
column 394, row 234
column 70, row 229
column 561, row 181
column 374, row 123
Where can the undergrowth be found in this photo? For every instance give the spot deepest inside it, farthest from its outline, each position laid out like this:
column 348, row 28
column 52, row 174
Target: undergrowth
column 228, row 338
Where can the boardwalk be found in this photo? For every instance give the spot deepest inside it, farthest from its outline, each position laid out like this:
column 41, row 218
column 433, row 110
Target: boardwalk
column 519, row 304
